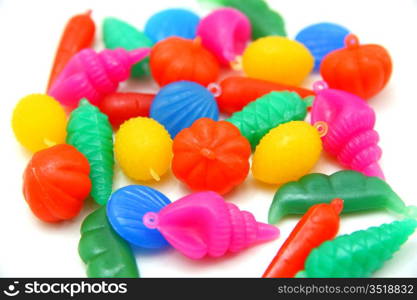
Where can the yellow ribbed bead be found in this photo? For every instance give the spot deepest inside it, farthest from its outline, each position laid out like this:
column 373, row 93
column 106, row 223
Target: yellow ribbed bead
column 143, row 149
column 39, row 122
column 278, row 59
column 286, row 153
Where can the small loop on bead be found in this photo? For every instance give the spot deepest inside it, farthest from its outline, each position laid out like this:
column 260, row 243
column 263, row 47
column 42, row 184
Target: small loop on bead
column 351, row 41
column 322, row 128
column 150, row 220
column 320, row 85
column 215, row 89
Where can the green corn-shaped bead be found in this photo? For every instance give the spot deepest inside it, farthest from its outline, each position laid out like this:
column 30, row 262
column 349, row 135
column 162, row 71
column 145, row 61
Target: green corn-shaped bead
column 258, row 117
column 90, row 132
column 119, row 34
column 358, row 254
column 104, row 252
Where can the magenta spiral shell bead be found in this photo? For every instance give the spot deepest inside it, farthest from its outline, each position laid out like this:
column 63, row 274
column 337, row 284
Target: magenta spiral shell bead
column 93, row 75
column 203, row 224
column 350, row 129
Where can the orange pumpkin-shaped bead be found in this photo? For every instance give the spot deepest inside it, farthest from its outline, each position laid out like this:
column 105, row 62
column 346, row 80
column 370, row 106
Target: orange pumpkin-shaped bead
column 363, row 70
column 56, row 182
column 176, row 58
column 211, row 155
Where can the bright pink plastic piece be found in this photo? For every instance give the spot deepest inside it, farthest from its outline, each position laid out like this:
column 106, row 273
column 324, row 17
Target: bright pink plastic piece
column 93, row 75
column 203, row 224
column 350, row 135
column 225, row 32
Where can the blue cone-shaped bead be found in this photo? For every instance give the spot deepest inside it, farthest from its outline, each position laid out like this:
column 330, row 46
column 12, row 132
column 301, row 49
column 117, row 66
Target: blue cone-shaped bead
column 172, row 22
column 125, row 211
column 179, row 104
column 321, row 39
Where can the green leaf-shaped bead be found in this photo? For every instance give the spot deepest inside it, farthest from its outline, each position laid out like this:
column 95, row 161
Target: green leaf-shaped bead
column 264, row 20
column 359, row 192
column 105, row 253
column 358, row 254
column 258, row 117
column 119, row 34
column 90, row 132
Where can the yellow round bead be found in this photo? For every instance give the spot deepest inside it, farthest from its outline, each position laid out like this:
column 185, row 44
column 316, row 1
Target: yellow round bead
column 143, row 149
column 286, row 153
column 39, row 122
column 278, row 59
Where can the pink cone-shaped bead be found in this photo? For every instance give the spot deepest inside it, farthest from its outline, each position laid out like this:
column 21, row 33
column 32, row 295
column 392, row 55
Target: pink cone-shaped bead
column 225, row 32
column 93, row 75
column 350, row 136
column 203, row 224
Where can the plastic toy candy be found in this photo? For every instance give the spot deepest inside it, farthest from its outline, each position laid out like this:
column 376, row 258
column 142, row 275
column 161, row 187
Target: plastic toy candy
column 321, row 39
column 126, row 209
column 39, row 122
column 177, row 59
column 172, row 22
column 350, row 136
column 143, row 149
column 198, row 225
column 105, row 253
column 265, row 21
column 225, row 32
column 179, row 104
column 119, row 34
column 93, row 75
column 278, row 59
column 319, row 224
column 120, row 107
column 211, row 156
column 286, row 153
column 259, row 117
column 363, row 70
column 358, row 254
column 234, row 93
column 90, row 132
column 360, row 193
column 78, row 34
column 56, row 182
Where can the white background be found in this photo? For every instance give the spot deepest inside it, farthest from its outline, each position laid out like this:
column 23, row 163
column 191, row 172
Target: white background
column 29, row 33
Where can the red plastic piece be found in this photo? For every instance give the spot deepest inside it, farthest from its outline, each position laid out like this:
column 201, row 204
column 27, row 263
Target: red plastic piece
column 211, row 156
column 363, row 70
column 78, row 34
column 177, row 59
column 120, row 107
column 236, row 92
column 56, row 182
column 319, row 224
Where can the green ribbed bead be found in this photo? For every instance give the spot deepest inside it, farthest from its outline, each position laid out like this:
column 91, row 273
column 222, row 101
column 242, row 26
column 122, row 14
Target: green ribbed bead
column 258, row 117
column 90, row 132
column 358, row 254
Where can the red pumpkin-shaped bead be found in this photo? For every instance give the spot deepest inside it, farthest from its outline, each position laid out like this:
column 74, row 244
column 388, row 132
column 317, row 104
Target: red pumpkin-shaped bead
column 211, row 155
column 120, row 107
column 177, row 59
column 56, row 182
column 363, row 70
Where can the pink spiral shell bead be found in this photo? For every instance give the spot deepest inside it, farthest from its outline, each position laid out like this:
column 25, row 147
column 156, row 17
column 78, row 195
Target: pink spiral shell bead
column 93, row 75
column 350, row 121
column 225, row 32
column 203, row 224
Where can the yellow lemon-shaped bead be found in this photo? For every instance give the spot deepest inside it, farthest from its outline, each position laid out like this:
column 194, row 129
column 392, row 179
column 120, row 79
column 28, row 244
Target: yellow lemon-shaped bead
column 278, row 59
column 39, row 122
column 286, row 153
column 143, row 149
